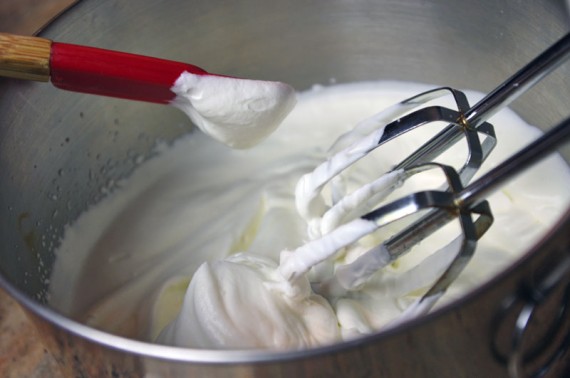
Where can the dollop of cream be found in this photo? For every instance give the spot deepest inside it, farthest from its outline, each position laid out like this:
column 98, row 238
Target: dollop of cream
column 237, row 112
column 242, row 302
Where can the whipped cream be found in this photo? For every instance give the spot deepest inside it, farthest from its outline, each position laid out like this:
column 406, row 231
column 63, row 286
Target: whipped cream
column 205, row 256
column 276, row 312
column 237, row 112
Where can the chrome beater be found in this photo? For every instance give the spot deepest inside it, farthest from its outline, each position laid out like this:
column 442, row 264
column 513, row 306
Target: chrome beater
column 429, row 210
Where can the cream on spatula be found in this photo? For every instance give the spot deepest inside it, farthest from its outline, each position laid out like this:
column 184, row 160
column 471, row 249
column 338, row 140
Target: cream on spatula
column 237, row 112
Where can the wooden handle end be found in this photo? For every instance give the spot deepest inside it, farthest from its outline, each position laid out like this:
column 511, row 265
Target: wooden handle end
column 24, row 57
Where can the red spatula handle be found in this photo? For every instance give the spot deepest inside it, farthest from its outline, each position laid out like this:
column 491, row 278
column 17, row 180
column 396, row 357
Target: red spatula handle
column 116, row 74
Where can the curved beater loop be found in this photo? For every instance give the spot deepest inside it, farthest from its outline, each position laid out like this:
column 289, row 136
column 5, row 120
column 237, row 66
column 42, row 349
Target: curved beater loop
column 499, row 98
column 374, row 132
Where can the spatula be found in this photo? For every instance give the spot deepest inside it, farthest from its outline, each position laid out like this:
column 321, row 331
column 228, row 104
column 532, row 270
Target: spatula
column 237, row 112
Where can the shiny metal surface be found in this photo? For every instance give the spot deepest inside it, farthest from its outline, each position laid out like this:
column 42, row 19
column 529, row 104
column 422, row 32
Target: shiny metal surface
column 503, row 95
column 60, row 151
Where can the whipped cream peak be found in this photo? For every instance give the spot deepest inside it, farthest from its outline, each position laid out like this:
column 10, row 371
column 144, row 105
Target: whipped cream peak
column 237, row 303
column 237, row 112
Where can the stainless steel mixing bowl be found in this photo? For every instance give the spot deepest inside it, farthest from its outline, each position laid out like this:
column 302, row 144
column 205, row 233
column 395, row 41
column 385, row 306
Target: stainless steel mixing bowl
column 58, row 149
